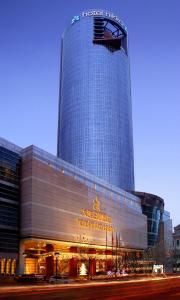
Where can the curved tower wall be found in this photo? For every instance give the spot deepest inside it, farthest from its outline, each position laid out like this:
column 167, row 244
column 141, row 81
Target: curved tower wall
column 95, row 119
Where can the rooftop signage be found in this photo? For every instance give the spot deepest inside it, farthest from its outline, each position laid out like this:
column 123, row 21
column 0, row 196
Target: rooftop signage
column 101, row 13
column 74, row 19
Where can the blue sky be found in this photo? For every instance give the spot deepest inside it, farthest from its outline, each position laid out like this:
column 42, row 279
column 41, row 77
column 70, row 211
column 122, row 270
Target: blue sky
column 30, row 34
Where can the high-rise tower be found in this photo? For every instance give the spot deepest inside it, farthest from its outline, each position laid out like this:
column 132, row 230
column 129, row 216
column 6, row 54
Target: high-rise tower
column 95, row 118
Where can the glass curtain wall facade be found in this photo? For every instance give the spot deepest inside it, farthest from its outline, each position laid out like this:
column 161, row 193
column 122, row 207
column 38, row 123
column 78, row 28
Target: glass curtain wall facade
column 95, row 118
column 176, row 249
column 9, row 209
column 153, row 208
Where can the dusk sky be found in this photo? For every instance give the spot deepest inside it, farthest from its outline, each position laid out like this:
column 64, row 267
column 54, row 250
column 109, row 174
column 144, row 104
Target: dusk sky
column 30, row 38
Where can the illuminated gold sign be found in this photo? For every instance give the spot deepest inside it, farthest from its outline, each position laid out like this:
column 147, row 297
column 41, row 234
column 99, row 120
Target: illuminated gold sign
column 99, row 216
column 95, row 225
column 96, row 215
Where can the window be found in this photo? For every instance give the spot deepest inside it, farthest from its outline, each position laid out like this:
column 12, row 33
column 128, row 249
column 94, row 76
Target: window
column 109, row 34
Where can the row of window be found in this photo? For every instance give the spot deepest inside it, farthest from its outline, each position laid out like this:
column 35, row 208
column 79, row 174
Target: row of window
column 176, row 243
column 7, row 266
column 9, row 192
column 8, row 240
column 9, row 175
column 9, row 189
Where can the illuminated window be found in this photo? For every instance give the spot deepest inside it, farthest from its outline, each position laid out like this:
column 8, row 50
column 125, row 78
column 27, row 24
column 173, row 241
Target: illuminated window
column 2, row 266
column 110, row 34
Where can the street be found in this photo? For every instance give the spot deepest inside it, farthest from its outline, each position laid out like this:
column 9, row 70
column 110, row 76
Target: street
column 147, row 289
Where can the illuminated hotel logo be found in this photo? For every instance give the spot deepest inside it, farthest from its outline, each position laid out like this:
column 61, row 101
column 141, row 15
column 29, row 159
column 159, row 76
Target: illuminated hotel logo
column 76, row 18
column 98, row 13
column 97, row 215
column 96, row 204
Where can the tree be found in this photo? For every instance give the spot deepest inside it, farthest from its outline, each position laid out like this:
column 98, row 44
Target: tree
column 83, row 270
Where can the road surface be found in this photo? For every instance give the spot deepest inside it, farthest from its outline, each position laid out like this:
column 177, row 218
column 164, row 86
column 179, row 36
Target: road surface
column 148, row 289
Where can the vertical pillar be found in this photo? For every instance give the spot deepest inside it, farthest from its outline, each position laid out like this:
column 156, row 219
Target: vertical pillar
column 2, row 266
column 109, row 265
column 49, row 260
column 92, row 269
column 21, row 265
column 5, row 266
column 49, row 266
column 73, row 267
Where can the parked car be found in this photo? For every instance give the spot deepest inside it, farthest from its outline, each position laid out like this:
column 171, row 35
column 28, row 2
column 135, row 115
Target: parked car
column 26, row 278
column 29, row 278
column 60, row 279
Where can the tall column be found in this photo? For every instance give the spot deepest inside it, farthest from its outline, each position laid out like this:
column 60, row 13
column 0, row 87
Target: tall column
column 92, row 267
column 73, row 267
column 49, row 266
column 21, row 263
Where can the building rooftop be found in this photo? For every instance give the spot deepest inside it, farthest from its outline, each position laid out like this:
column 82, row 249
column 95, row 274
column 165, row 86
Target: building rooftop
column 10, row 146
